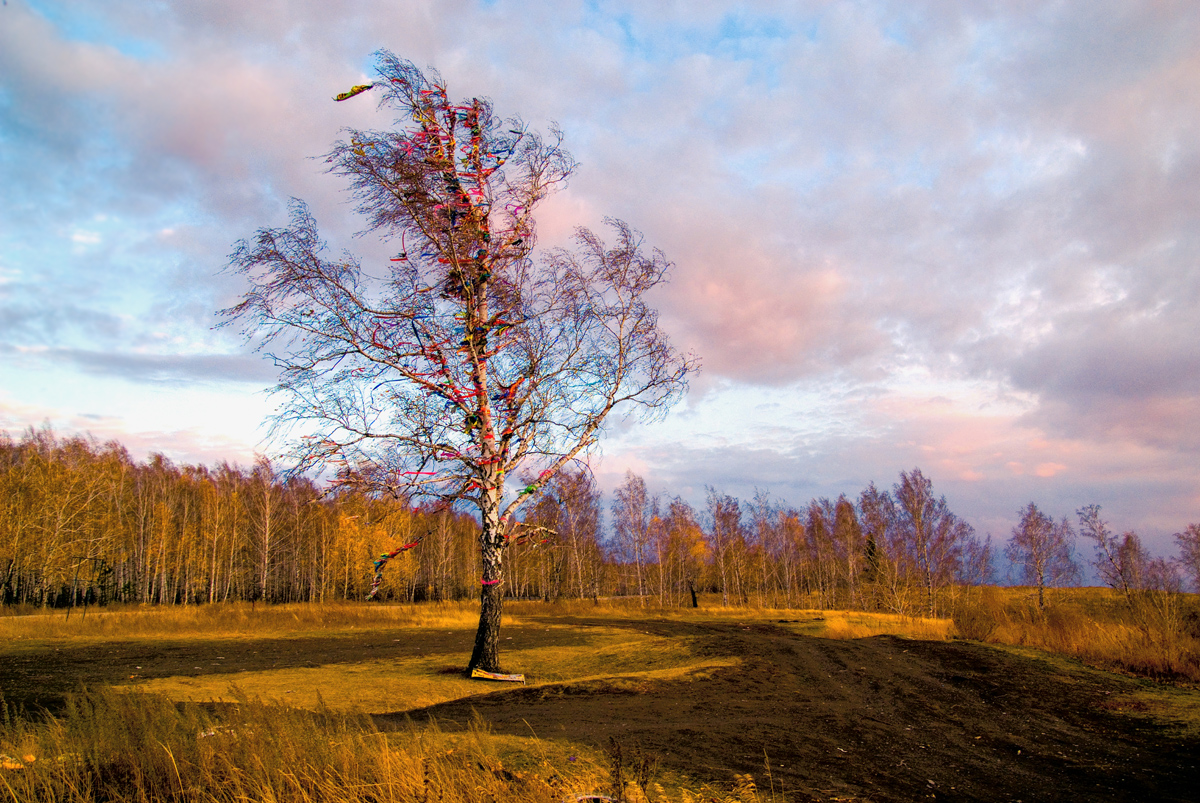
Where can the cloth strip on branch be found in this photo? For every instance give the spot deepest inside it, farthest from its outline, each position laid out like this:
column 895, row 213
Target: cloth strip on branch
column 383, row 560
column 354, row 90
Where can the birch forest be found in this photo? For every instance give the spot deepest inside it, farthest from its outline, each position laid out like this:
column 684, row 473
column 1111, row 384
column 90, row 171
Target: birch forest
column 83, row 523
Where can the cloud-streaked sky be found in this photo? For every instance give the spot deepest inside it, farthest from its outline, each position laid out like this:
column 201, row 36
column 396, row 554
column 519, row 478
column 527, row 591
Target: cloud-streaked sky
column 963, row 236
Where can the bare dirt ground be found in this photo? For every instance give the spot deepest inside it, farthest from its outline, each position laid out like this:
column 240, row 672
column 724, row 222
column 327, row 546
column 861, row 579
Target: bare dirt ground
column 880, row 719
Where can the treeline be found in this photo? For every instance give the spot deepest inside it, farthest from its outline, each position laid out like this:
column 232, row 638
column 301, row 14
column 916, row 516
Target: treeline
column 902, row 550
column 81, row 522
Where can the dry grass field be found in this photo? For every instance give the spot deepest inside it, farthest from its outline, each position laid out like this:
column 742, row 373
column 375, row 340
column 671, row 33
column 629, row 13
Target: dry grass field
column 1153, row 635
column 353, row 702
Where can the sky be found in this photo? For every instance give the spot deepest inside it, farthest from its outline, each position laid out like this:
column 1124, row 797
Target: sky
column 959, row 236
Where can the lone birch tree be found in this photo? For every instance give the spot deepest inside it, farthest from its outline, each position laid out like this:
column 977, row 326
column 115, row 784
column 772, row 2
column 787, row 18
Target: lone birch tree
column 462, row 362
column 1043, row 551
column 934, row 535
column 631, row 523
column 1189, row 552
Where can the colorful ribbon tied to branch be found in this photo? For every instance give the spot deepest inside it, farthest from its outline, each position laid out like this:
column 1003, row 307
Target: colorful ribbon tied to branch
column 383, row 560
column 354, row 90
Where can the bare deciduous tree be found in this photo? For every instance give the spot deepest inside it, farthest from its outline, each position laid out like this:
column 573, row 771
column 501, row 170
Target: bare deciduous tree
column 933, row 533
column 631, row 525
column 819, row 539
column 976, row 566
column 877, row 516
column 1043, row 550
column 1119, row 562
column 725, row 514
column 848, row 539
column 765, row 518
column 1189, row 552
column 569, row 505
column 442, row 373
column 685, row 551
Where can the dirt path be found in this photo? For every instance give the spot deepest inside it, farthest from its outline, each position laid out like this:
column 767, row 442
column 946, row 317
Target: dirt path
column 881, row 719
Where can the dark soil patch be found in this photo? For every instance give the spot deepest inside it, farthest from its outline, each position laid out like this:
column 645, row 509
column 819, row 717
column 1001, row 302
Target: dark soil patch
column 40, row 678
column 881, row 719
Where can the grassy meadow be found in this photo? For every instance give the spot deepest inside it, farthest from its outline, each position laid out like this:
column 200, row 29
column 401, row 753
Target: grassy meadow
column 303, row 733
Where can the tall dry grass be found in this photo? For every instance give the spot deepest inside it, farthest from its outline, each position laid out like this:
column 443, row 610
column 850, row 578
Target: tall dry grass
column 857, row 624
column 1151, row 635
column 111, row 746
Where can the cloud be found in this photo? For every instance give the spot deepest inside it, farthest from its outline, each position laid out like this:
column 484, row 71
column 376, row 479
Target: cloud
column 156, row 368
column 195, row 445
column 173, row 367
column 995, row 201
column 978, row 448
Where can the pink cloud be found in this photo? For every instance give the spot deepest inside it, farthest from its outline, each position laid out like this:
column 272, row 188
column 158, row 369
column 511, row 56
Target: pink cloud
column 196, row 445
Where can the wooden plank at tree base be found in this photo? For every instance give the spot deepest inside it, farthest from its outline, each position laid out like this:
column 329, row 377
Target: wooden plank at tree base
column 479, row 673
